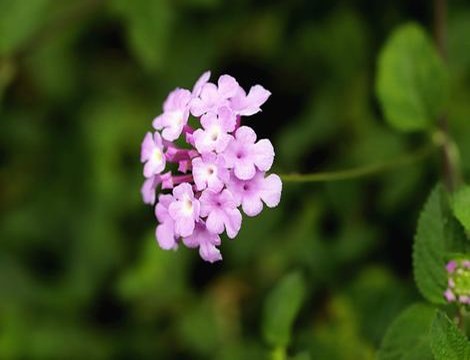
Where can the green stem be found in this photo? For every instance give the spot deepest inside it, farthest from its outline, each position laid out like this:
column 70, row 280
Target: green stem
column 367, row 170
column 279, row 353
column 450, row 154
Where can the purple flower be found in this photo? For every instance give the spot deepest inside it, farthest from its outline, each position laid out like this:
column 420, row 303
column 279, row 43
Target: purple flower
column 209, row 172
column 250, row 104
column 251, row 194
column 213, row 97
column 152, row 155
column 175, row 114
column 221, row 211
column 245, row 156
column 165, row 232
column 206, row 241
column 215, row 135
column 451, row 266
column 464, row 299
column 449, row 295
column 458, row 281
column 217, row 166
column 184, row 209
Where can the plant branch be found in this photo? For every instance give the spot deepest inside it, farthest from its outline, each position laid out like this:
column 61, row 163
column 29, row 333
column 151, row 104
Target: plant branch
column 368, row 170
column 450, row 155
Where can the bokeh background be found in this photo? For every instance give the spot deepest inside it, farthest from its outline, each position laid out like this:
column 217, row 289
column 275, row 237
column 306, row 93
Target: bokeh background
column 81, row 275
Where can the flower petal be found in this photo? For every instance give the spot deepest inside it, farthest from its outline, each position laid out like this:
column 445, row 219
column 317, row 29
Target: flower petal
column 271, row 190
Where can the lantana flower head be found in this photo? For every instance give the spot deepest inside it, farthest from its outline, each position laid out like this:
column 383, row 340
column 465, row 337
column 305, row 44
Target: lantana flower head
column 199, row 189
column 458, row 282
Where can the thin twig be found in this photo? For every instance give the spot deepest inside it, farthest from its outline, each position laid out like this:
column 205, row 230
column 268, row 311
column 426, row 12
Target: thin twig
column 450, row 161
column 367, row 170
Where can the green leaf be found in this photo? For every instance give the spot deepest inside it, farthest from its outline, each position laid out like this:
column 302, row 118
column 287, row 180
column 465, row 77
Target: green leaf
column 408, row 335
column 429, row 249
column 148, row 24
column 411, row 81
column 461, row 206
column 447, row 342
column 19, row 20
column 281, row 308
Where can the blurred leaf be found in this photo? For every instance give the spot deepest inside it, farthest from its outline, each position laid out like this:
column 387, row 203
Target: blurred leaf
column 18, row 22
column 7, row 73
column 202, row 3
column 408, row 338
column 314, row 127
column 377, row 297
column 459, row 46
column 447, row 342
column 281, row 308
column 199, row 328
column 429, row 248
column 148, row 25
column 411, row 80
column 157, row 279
column 302, row 356
column 461, row 206
column 457, row 240
column 338, row 336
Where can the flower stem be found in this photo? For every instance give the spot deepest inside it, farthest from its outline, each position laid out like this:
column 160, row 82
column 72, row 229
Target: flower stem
column 368, row 170
column 450, row 153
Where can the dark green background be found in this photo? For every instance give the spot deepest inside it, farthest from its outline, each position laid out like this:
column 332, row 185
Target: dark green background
column 81, row 275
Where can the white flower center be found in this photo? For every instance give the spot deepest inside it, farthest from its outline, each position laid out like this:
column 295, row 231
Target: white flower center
column 187, row 207
column 157, row 156
column 214, row 133
column 176, row 118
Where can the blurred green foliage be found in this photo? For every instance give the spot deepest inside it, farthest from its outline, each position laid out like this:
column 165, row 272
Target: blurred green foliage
column 81, row 275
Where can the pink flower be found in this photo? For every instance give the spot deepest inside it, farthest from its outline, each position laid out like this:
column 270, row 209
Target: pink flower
column 250, row 104
column 152, row 155
column 245, row 156
column 209, row 172
column 175, row 114
column 215, row 135
column 213, row 97
column 458, row 275
column 206, row 241
column 184, row 209
column 220, row 165
column 251, row 194
column 449, row 295
column 451, row 266
column 221, row 211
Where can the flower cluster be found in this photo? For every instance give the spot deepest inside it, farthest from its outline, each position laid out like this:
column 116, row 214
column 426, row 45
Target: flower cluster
column 219, row 167
column 458, row 290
